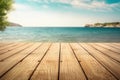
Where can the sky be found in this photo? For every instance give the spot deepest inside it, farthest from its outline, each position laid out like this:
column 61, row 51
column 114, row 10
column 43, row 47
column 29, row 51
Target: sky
column 63, row 13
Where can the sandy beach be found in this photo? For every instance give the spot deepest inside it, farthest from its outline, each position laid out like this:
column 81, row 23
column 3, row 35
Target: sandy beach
column 59, row 61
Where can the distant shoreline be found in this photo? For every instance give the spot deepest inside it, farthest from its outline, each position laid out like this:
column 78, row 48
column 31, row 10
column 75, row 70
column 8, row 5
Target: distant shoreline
column 11, row 24
column 106, row 25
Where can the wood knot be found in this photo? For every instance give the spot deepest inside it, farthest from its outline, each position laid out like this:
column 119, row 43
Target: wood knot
column 38, row 60
column 1, row 60
column 61, row 61
column 79, row 61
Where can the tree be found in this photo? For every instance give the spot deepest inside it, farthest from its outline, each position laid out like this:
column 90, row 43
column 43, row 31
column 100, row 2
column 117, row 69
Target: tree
column 5, row 8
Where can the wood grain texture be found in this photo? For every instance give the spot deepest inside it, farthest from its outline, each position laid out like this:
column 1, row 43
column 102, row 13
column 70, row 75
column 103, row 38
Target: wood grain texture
column 13, row 52
column 59, row 61
column 111, row 65
column 93, row 69
column 7, row 46
column 48, row 67
column 24, row 68
column 11, row 48
column 113, row 45
column 11, row 62
column 109, row 47
column 4, row 44
column 107, row 52
column 69, row 65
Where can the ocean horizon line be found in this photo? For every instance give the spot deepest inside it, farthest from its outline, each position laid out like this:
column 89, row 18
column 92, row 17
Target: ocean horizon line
column 60, row 34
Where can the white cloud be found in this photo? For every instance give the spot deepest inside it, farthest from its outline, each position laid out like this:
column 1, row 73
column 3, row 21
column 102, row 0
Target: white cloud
column 86, row 4
column 45, row 6
column 21, row 7
column 41, row 1
column 28, row 16
column 31, row 17
column 34, row 0
column 94, row 5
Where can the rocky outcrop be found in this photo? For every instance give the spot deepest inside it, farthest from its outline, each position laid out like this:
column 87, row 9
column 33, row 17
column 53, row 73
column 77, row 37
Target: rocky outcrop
column 14, row 24
column 111, row 24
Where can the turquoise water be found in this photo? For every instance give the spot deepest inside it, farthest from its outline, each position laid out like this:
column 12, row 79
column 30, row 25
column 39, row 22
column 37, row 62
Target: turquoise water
column 54, row 34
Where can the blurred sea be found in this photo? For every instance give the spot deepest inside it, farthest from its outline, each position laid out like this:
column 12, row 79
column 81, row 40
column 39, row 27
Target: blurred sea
column 59, row 34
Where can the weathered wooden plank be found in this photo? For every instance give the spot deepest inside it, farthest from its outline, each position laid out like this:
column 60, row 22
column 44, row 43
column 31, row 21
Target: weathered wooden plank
column 48, row 68
column 11, row 48
column 113, row 55
column 118, row 44
column 23, row 70
column 93, row 69
column 113, row 45
column 69, row 66
column 13, row 52
column 109, row 47
column 4, row 44
column 11, row 62
column 27, row 63
column 111, row 65
column 7, row 46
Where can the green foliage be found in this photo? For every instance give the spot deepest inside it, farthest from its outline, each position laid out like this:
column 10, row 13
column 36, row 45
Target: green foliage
column 5, row 8
column 107, row 24
column 96, row 24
